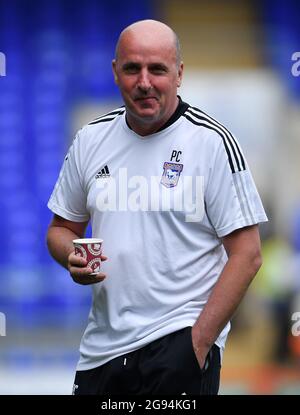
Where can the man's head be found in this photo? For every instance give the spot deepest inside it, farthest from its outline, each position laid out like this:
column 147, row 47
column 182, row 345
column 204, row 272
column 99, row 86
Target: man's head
column 148, row 70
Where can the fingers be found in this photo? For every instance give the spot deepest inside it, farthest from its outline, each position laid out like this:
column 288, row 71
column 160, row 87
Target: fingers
column 76, row 260
column 87, row 279
column 80, row 273
column 80, row 261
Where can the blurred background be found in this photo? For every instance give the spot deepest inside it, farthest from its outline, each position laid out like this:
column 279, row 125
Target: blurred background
column 239, row 67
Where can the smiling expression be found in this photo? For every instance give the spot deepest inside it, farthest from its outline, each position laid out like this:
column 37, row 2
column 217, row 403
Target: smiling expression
column 148, row 75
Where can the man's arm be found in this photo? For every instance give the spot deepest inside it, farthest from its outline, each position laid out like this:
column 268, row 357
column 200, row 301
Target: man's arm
column 244, row 260
column 60, row 235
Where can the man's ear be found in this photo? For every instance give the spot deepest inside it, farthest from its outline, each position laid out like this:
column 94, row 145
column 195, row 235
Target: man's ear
column 180, row 73
column 114, row 65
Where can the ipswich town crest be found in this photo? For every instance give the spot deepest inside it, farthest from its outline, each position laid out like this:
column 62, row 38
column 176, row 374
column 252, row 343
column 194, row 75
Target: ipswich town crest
column 171, row 174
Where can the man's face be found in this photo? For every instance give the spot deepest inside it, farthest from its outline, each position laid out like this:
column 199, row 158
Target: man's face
column 148, row 78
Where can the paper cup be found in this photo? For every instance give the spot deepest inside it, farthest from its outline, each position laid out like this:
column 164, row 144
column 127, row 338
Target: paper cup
column 91, row 250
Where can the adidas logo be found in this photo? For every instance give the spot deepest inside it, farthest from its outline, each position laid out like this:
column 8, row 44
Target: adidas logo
column 103, row 173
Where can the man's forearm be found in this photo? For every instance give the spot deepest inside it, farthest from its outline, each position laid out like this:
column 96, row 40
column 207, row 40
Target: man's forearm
column 224, row 300
column 60, row 245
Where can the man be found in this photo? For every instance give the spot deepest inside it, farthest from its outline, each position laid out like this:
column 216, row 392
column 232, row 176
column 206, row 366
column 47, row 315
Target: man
column 168, row 189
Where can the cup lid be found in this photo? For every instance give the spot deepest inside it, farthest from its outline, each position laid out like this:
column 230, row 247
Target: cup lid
column 88, row 241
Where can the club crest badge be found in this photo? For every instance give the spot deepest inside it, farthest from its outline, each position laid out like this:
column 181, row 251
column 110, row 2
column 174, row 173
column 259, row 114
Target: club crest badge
column 171, row 174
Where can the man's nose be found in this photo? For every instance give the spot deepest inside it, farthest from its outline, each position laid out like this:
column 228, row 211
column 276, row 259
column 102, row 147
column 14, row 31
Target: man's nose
column 144, row 81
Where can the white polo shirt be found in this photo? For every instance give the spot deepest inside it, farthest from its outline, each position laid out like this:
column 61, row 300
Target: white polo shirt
column 161, row 203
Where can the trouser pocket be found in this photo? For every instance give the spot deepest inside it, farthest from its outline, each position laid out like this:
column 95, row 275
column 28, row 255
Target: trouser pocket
column 193, row 353
column 210, row 373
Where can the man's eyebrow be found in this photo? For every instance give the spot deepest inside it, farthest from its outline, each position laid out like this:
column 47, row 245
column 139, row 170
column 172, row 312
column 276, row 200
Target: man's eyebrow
column 129, row 65
column 153, row 65
column 159, row 65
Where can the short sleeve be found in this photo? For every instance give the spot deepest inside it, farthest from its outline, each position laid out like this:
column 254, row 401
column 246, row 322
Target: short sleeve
column 68, row 198
column 231, row 198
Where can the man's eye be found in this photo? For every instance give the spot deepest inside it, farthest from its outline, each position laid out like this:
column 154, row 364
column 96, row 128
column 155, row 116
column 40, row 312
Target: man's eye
column 131, row 69
column 158, row 70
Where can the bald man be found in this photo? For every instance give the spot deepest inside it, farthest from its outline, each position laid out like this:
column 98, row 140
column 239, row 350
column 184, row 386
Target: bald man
column 148, row 71
column 169, row 191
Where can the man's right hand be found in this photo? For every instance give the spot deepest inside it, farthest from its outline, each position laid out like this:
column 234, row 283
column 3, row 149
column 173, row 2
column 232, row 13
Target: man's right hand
column 77, row 267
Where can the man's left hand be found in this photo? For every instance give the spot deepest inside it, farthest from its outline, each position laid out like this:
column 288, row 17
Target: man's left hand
column 201, row 350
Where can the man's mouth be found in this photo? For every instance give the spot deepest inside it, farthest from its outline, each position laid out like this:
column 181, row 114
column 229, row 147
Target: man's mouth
column 144, row 98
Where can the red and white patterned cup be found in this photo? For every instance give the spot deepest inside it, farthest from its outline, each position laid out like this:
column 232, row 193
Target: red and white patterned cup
column 91, row 250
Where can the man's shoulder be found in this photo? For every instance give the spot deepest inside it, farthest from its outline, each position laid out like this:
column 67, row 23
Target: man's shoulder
column 91, row 129
column 216, row 132
column 201, row 119
column 107, row 117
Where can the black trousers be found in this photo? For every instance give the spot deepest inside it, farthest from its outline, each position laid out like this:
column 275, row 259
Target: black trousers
column 166, row 366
